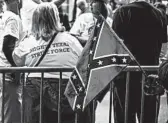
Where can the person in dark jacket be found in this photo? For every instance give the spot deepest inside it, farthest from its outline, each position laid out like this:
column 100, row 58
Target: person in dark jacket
column 143, row 29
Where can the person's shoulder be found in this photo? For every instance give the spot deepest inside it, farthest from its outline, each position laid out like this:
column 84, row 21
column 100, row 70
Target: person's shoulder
column 29, row 39
column 27, row 42
column 66, row 36
column 8, row 15
column 136, row 4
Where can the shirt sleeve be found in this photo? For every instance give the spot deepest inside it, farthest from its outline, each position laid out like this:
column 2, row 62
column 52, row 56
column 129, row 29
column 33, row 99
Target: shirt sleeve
column 20, row 52
column 12, row 28
column 76, row 28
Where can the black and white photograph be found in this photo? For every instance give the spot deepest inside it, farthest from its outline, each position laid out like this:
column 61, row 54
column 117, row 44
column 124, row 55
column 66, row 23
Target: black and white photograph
column 83, row 61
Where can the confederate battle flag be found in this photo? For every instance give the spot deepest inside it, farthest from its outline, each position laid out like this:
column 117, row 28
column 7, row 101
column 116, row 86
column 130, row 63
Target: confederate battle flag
column 103, row 58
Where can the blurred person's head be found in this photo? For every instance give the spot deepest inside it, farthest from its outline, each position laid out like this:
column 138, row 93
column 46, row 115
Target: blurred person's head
column 46, row 21
column 82, row 5
column 14, row 5
column 99, row 7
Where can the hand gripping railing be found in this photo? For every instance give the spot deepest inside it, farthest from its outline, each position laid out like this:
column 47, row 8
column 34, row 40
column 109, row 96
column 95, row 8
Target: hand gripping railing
column 42, row 70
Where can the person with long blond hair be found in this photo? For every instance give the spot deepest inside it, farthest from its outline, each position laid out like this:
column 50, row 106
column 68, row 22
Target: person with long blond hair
column 62, row 53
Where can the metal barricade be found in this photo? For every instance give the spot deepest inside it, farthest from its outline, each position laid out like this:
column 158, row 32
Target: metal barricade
column 42, row 70
column 128, row 70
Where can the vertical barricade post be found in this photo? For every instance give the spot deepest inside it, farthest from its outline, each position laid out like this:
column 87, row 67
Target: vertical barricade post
column 22, row 77
column 111, row 101
column 3, row 90
column 157, row 107
column 41, row 97
column 59, row 98
column 127, row 97
column 93, row 111
column 76, row 117
column 142, row 99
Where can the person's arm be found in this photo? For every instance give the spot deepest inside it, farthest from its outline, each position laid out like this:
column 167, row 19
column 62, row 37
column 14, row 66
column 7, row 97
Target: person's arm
column 20, row 52
column 8, row 47
column 11, row 35
column 58, row 2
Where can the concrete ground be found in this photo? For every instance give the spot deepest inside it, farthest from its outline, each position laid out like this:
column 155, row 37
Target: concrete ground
column 102, row 112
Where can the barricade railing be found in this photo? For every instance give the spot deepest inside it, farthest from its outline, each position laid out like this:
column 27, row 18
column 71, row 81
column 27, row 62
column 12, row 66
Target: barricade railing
column 42, row 70
column 128, row 70
column 24, row 70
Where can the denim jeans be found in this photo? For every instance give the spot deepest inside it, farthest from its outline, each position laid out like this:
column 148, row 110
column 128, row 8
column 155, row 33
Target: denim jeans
column 50, row 102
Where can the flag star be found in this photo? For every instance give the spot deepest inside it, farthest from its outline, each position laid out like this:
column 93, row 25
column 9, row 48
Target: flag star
column 113, row 59
column 74, row 77
column 78, row 106
column 124, row 60
column 80, row 89
column 98, row 25
column 91, row 52
column 94, row 38
column 100, row 62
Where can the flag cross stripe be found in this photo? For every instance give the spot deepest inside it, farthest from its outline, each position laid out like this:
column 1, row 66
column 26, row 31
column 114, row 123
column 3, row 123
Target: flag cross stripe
column 79, row 103
column 97, row 29
column 79, row 86
column 110, row 60
column 79, row 100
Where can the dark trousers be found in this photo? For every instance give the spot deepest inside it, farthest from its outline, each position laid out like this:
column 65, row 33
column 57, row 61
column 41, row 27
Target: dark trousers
column 134, row 105
column 50, row 103
column 12, row 103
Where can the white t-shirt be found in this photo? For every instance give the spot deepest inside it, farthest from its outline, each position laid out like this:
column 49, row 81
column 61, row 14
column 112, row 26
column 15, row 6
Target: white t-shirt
column 84, row 25
column 12, row 25
column 63, row 53
column 27, row 12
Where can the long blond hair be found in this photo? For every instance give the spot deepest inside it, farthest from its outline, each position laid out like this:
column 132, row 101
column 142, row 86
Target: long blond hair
column 46, row 21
